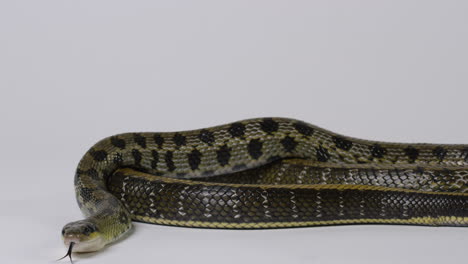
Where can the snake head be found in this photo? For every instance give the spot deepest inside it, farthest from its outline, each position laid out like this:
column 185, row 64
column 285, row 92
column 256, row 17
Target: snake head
column 84, row 234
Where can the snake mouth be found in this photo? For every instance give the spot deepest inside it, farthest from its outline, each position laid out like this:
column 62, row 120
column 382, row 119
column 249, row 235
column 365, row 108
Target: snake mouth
column 82, row 243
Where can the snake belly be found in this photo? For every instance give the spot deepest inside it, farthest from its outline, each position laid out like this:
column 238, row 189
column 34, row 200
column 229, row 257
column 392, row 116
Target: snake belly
column 267, row 173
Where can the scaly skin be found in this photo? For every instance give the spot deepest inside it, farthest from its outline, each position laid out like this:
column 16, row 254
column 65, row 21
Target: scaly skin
column 258, row 147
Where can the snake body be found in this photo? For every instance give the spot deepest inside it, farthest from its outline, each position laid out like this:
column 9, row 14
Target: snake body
column 263, row 173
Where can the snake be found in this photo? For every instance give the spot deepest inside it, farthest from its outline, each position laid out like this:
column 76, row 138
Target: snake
column 263, row 173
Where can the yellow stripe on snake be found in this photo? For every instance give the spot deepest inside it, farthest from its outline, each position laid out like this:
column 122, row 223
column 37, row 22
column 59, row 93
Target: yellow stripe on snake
column 263, row 173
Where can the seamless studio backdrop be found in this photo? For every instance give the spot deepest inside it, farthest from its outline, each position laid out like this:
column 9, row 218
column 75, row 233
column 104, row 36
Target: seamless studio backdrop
column 73, row 72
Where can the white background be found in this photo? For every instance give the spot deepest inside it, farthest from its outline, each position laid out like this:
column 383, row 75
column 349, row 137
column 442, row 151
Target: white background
column 73, row 72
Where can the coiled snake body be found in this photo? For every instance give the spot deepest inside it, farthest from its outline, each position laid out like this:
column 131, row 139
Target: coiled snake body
column 263, row 173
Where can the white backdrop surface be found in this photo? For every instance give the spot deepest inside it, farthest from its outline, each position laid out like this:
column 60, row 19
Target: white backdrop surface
column 73, row 72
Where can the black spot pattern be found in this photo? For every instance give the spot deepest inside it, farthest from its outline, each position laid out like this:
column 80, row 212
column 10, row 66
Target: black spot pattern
column 303, row 128
column 289, row 144
column 255, row 148
column 207, row 173
column 419, row 170
column 237, row 129
column 159, row 140
column 322, row 154
column 378, row 151
column 239, row 167
column 118, row 159
column 273, row 158
column 169, row 162
column 98, row 155
column 179, row 139
column 269, row 125
column 140, row 140
column 342, row 143
column 136, row 156
column 117, row 142
column 123, row 218
column 206, row 136
column 412, row 153
column 464, row 154
column 194, row 159
column 77, row 178
column 93, row 173
column 154, row 162
column 223, row 155
column 440, row 153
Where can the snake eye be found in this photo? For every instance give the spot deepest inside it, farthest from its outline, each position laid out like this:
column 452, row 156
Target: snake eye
column 87, row 230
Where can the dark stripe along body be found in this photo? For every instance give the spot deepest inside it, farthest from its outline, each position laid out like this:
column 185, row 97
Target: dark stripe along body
column 228, row 202
column 242, row 146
